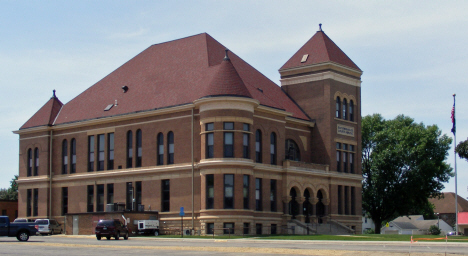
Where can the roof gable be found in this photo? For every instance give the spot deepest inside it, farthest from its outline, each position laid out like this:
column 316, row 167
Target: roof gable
column 320, row 49
column 46, row 114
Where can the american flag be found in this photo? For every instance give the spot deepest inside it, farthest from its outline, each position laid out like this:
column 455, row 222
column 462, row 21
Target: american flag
column 453, row 118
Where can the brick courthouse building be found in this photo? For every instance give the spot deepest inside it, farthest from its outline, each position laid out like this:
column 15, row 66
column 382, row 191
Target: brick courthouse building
column 187, row 124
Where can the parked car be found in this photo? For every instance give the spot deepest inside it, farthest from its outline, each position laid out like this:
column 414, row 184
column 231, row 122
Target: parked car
column 453, row 233
column 48, row 226
column 21, row 231
column 111, row 228
column 23, row 220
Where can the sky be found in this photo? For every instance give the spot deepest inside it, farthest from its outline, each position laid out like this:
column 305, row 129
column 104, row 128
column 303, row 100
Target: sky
column 413, row 53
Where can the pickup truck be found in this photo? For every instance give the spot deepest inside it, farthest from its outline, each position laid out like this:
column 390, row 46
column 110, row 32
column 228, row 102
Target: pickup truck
column 20, row 230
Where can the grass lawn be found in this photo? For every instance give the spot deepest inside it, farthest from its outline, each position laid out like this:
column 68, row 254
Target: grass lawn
column 370, row 237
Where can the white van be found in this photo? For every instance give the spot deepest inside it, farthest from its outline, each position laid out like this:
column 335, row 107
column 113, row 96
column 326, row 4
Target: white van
column 50, row 227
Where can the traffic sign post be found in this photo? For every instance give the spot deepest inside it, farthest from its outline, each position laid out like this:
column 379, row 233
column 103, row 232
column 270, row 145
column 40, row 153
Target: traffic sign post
column 182, row 214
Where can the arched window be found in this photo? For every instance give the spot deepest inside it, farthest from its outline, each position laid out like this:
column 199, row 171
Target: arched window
column 170, row 148
column 272, row 148
column 64, row 157
column 30, row 162
column 338, row 106
column 345, row 107
column 258, row 146
column 129, row 149
column 351, row 110
column 36, row 161
column 160, row 149
column 139, row 147
column 73, row 156
column 292, row 151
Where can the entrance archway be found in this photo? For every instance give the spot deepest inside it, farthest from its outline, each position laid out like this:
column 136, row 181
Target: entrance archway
column 320, row 207
column 293, row 204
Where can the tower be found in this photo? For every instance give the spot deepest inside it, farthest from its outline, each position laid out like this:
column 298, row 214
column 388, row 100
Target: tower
column 326, row 84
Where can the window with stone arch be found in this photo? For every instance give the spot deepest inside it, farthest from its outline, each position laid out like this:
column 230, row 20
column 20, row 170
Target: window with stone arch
column 345, row 107
column 351, row 110
column 292, row 151
column 338, row 107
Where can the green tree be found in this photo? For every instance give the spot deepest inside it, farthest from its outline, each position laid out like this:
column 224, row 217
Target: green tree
column 403, row 164
column 462, row 149
column 10, row 193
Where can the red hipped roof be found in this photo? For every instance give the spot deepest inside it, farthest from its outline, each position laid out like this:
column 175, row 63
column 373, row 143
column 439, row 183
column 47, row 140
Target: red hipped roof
column 45, row 115
column 171, row 74
column 320, row 49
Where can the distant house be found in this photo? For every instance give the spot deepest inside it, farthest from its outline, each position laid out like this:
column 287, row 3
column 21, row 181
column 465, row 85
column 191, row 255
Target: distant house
column 9, row 208
column 367, row 223
column 414, row 225
column 463, row 222
column 445, row 206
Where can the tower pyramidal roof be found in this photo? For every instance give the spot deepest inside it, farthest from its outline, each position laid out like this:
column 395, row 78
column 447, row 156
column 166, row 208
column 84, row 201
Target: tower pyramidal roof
column 319, row 49
column 46, row 114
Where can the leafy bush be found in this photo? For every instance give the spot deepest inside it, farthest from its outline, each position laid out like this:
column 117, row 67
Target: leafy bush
column 369, row 231
column 434, row 230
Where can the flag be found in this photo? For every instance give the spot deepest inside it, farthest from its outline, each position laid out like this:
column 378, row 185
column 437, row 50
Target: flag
column 453, row 118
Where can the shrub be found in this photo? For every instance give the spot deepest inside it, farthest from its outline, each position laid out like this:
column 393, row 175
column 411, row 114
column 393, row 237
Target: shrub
column 434, row 230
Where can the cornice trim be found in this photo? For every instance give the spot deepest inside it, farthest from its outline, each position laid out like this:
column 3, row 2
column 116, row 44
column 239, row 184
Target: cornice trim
column 321, row 76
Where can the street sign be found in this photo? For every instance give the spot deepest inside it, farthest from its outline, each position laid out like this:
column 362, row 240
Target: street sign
column 181, row 213
column 387, row 225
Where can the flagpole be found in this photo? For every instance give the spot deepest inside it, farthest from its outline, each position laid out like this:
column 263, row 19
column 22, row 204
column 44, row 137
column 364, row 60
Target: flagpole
column 455, row 155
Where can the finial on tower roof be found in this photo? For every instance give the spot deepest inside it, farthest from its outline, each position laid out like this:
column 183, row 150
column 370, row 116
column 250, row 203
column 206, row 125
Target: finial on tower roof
column 320, row 27
column 53, row 96
column 226, row 57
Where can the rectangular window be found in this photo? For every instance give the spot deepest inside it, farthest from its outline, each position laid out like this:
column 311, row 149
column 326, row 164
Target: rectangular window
column 209, row 191
column 340, row 200
column 273, row 229
column 210, row 228
column 29, row 203
column 91, row 154
column 165, row 195
column 246, row 228
column 101, row 148
column 100, row 198
column 353, row 201
column 346, row 200
column 351, row 159
column 73, row 156
column 258, row 228
column 35, row 202
column 160, row 149
column 273, row 195
column 90, row 198
column 64, row 200
column 338, row 161
column 110, row 194
column 170, row 149
column 246, row 142
column 209, row 140
column 345, row 162
column 129, row 204
column 138, row 196
column 228, row 144
column 228, row 191
column 110, row 153
column 228, row 228
column 273, row 148
column 258, row 194
column 245, row 191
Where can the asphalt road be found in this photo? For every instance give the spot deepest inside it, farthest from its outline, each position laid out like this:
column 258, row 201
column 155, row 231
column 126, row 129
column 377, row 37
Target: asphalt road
column 88, row 245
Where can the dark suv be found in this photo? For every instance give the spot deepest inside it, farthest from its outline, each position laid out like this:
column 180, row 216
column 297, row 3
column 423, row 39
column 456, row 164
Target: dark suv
column 111, row 228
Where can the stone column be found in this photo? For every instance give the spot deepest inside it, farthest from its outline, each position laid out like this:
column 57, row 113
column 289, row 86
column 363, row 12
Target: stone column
column 286, row 201
column 313, row 201
column 300, row 200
